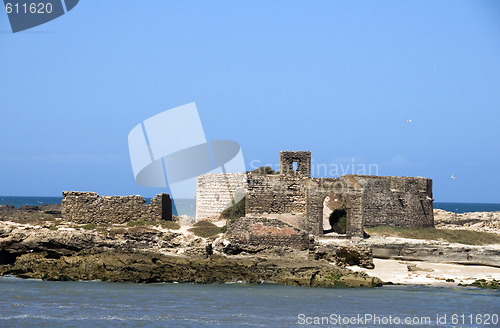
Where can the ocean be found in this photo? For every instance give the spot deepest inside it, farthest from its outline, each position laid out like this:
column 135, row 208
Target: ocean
column 34, row 303
column 187, row 207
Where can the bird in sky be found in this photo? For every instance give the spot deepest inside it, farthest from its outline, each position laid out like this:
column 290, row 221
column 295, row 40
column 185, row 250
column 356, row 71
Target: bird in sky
column 453, row 177
column 408, row 121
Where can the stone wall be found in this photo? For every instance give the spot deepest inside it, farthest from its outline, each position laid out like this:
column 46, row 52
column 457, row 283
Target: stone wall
column 266, row 232
column 275, row 194
column 89, row 207
column 217, row 191
column 368, row 201
column 349, row 196
column 371, row 201
column 396, row 201
column 295, row 198
column 302, row 160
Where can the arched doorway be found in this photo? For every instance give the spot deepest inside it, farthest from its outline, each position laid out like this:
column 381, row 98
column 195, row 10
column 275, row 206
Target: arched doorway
column 334, row 215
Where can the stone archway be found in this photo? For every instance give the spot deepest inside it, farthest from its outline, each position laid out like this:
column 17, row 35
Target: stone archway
column 335, row 214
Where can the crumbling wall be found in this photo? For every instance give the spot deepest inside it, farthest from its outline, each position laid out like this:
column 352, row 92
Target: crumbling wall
column 302, row 160
column 89, row 207
column 275, row 194
column 217, row 191
column 350, row 192
column 266, row 232
column 297, row 199
column 368, row 201
column 396, row 201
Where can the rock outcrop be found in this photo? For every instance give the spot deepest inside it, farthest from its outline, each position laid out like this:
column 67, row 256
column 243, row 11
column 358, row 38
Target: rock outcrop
column 437, row 252
column 476, row 221
column 148, row 255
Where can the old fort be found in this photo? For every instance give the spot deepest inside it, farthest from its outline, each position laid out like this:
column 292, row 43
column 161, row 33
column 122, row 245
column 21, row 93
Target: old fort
column 316, row 205
column 289, row 201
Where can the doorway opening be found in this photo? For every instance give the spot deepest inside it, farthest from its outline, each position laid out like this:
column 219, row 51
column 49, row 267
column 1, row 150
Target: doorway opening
column 334, row 215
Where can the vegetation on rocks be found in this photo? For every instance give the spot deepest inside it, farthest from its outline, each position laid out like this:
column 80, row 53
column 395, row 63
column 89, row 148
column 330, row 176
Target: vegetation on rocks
column 144, row 254
column 141, row 223
column 483, row 283
column 56, row 224
column 467, row 237
column 88, row 226
column 263, row 170
column 235, row 211
column 205, row 229
column 170, row 225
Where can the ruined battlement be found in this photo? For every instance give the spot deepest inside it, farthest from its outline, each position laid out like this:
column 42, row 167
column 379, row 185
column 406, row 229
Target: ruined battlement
column 89, row 207
column 314, row 204
column 365, row 201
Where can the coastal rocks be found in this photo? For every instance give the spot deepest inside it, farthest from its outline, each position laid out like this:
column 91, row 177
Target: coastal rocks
column 149, row 255
column 487, row 284
column 29, row 213
column 414, row 267
column 476, row 221
column 47, row 208
column 344, row 255
column 437, row 252
column 7, row 210
column 153, row 267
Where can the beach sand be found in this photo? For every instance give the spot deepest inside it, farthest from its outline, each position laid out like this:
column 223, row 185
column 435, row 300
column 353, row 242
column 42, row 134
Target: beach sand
column 428, row 273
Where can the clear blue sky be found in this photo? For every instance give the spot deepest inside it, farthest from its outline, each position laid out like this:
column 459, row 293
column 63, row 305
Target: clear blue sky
column 339, row 78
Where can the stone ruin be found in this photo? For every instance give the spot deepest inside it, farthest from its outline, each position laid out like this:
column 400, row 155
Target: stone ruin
column 89, row 207
column 312, row 205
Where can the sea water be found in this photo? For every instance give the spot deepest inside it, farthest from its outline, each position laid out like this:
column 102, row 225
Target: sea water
column 35, row 303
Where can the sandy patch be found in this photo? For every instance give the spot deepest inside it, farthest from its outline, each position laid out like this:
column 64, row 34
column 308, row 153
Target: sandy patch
column 428, row 273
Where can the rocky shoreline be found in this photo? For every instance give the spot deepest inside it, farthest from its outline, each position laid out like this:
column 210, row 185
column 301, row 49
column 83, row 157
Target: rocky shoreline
column 34, row 243
column 153, row 254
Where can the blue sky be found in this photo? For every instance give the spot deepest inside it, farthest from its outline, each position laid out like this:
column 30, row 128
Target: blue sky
column 339, row 78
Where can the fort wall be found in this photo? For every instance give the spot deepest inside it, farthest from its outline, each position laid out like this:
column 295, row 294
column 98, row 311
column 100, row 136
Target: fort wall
column 266, row 232
column 368, row 201
column 217, row 191
column 89, row 207
column 397, row 201
column 296, row 199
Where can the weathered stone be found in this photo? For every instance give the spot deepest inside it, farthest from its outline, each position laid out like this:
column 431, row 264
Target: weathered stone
column 217, row 191
column 343, row 255
column 294, row 197
column 262, row 232
column 88, row 207
column 141, row 256
column 437, row 252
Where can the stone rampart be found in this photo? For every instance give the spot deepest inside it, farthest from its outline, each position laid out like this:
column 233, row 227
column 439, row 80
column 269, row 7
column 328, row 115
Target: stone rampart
column 396, row 201
column 367, row 201
column 275, row 194
column 89, row 207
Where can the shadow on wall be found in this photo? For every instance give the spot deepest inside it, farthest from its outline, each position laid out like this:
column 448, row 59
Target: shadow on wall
column 338, row 221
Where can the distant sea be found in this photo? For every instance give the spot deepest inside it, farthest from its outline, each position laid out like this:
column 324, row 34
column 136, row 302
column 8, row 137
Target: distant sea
column 184, row 206
column 187, row 207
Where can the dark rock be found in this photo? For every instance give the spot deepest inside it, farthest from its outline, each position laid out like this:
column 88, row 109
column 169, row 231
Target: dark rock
column 139, row 257
column 343, row 255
